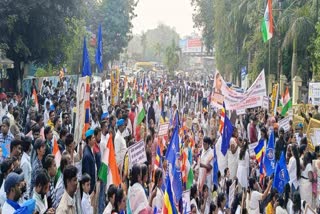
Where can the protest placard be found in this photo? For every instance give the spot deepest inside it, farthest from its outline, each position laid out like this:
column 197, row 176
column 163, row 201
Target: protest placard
column 232, row 192
column 285, row 123
column 137, row 153
column 163, row 129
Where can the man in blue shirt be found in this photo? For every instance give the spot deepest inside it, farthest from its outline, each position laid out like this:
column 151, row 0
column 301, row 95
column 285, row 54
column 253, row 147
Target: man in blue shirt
column 5, row 138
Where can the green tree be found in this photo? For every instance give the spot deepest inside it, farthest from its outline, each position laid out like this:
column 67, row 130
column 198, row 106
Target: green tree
column 33, row 30
column 171, row 58
column 315, row 56
column 117, row 18
column 155, row 42
column 298, row 27
column 203, row 18
column 158, row 50
column 143, row 44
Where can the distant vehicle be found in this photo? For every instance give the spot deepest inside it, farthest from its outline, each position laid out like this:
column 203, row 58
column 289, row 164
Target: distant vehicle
column 146, row 66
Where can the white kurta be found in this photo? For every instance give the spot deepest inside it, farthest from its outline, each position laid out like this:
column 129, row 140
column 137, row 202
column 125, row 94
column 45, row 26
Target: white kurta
column 233, row 159
column 120, row 148
column 205, row 177
column 243, row 170
column 306, row 185
column 292, row 169
column 137, row 199
column 158, row 201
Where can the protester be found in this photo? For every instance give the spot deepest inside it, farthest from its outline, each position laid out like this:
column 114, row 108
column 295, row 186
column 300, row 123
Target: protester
column 88, row 162
column 182, row 134
column 86, row 205
column 26, row 163
column 112, row 191
column 12, row 188
column 40, row 193
column 51, row 167
column 40, row 148
column 67, row 203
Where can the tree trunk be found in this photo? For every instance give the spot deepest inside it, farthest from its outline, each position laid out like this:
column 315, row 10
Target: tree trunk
column 294, row 59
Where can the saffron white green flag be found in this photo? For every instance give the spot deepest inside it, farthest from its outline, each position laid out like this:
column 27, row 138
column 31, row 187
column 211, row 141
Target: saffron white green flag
column 267, row 23
column 287, row 102
column 108, row 171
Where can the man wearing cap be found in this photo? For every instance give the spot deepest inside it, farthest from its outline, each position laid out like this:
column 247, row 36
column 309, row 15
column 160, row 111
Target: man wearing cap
column 6, row 169
column 120, row 143
column 12, row 187
column 88, row 161
column 5, row 138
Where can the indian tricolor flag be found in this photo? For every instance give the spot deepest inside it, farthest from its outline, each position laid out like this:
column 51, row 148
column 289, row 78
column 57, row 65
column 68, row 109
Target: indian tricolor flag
column 56, row 152
column 267, row 23
column 187, row 172
column 286, row 103
column 108, row 171
column 141, row 111
column 35, row 98
column 126, row 88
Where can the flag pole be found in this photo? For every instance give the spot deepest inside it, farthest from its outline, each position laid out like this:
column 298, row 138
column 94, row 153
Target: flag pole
column 269, row 63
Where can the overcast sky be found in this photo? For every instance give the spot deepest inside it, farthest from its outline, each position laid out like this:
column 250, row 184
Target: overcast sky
column 175, row 13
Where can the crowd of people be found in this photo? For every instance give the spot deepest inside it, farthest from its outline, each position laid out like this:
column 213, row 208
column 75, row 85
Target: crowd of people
column 32, row 181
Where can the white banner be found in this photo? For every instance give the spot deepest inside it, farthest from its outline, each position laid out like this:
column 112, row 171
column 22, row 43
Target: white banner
column 314, row 93
column 137, row 153
column 234, row 100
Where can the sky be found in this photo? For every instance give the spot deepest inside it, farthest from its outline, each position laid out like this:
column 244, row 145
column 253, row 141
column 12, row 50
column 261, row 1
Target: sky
column 174, row 13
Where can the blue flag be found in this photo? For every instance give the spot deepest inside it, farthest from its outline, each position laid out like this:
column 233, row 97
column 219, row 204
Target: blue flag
column 174, row 173
column 281, row 175
column 269, row 158
column 226, row 135
column 86, row 69
column 99, row 52
column 215, row 167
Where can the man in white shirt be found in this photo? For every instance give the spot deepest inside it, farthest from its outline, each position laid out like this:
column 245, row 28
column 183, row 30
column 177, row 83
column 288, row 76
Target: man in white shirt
column 120, row 143
column 25, row 164
column 12, row 187
column 300, row 134
column 104, row 132
column 3, row 109
column 46, row 112
column 40, row 191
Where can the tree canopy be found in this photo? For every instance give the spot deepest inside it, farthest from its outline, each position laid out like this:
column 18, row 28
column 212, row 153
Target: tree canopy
column 50, row 32
column 151, row 45
column 233, row 27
